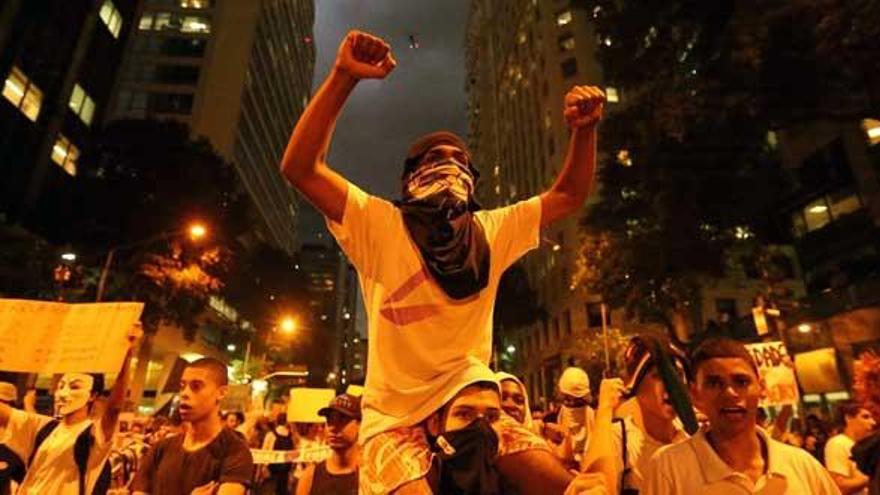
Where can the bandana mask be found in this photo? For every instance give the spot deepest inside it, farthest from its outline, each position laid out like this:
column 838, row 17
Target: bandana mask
column 73, row 393
column 436, row 207
column 467, row 456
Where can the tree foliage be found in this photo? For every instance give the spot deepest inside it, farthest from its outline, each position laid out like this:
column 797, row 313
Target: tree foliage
column 689, row 169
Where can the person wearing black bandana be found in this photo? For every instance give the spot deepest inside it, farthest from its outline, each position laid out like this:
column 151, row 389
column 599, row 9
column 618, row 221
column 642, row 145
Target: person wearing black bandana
column 429, row 266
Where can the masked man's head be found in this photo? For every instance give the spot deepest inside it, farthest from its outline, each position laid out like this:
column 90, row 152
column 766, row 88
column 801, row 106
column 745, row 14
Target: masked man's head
column 76, row 391
column 437, row 165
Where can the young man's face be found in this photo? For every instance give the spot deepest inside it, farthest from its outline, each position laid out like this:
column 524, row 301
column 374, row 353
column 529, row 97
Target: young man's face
column 861, row 424
column 653, row 398
column 73, row 393
column 513, row 400
column 200, row 394
column 342, row 430
column 471, row 403
column 727, row 390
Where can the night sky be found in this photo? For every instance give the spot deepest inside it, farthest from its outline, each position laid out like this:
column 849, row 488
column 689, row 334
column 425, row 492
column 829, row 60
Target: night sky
column 424, row 93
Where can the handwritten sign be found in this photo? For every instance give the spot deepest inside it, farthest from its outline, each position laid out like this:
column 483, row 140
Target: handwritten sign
column 316, row 454
column 777, row 370
column 51, row 337
column 306, row 402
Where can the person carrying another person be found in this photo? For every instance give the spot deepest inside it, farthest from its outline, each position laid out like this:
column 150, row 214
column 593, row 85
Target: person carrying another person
column 338, row 475
column 857, row 423
column 207, row 458
column 732, row 455
column 429, row 265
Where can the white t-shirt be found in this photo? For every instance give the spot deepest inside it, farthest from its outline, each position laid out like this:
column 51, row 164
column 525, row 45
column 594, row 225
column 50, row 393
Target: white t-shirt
column 53, row 469
column 640, row 448
column 838, row 450
column 693, row 467
column 422, row 344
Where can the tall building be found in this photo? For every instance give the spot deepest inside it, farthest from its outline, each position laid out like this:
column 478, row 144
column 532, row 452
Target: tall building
column 58, row 60
column 239, row 73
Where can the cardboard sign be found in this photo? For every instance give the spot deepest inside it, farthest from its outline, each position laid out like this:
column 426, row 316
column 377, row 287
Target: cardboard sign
column 316, row 454
column 306, row 402
column 777, row 370
column 51, row 337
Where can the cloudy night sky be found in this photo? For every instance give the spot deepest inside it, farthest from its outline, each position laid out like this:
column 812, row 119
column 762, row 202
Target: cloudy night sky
column 424, row 93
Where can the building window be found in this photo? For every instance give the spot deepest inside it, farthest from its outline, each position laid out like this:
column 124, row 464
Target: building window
column 568, row 326
column 594, row 315
column 556, row 332
column 872, row 129
column 566, row 42
column 171, row 103
column 177, row 74
column 82, row 104
column 193, row 24
column 65, row 154
column 163, row 21
column 23, row 94
column 111, row 17
column 569, row 67
column 825, row 210
column 195, row 4
column 146, row 22
column 611, row 94
column 563, row 18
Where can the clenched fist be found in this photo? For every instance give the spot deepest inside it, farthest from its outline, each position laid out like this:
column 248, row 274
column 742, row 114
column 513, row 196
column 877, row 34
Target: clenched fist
column 583, row 106
column 364, row 56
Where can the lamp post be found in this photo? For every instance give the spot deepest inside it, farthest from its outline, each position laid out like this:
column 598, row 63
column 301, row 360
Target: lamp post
column 196, row 231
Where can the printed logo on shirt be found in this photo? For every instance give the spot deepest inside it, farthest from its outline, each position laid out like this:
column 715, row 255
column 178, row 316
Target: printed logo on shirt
column 407, row 315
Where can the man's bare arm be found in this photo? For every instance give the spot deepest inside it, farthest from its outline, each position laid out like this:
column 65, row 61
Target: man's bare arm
column 583, row 110
column 304, row 163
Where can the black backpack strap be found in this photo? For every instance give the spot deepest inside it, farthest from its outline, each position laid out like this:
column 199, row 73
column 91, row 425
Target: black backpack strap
column 15, row 468
column 626, row 469
column 42, row 434
column 81, row 450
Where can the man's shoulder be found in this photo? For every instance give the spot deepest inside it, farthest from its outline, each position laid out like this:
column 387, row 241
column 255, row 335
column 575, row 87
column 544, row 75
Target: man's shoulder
column 675, row 453
column 794, row 456
column 839, row 440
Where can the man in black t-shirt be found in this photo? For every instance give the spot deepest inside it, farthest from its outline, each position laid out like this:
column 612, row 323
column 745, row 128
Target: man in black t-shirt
column 338, row 475
column 207, row 458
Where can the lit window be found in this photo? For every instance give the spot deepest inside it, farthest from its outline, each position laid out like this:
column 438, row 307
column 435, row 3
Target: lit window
column 82, row 104
column 817, row 215
column 563, row 18
column 872, row 128
column 163, row 21
column 624, row 158
column 566, row 42
column 23, row 94
column 146, row 22
column 195, row 25
column 772, row 140
column 611, row 95
column 65, row 154
column 195, row 4
column 843, row 203
column 111, row 17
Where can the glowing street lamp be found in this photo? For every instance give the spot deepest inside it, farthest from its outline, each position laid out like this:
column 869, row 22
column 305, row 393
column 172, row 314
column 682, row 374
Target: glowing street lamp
column 68, row 256
column 288, row 324
column 197, row 231
column 804, row 328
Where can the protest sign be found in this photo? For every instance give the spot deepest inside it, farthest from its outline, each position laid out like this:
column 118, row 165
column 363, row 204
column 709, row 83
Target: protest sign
column 316, row 454
column 817, row 371
column 305, row 403
column 777, row 370
column 52, row 337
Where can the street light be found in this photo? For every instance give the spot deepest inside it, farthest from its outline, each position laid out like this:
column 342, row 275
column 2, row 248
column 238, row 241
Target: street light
column 511, row 349
column 288, row 324
column 68, row 256
column 230, row 348
column 804, row 328
column 196, row 231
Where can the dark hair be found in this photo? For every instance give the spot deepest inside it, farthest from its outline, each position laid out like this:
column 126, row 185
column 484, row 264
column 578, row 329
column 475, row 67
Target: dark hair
column 238, row 415
column 215, row 368
column 481, row 385
column 720, row 347
column 98, row 383
column 847, row 409
column 281, row 419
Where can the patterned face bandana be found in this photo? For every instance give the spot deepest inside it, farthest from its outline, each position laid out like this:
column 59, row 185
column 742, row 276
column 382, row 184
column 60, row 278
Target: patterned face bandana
column 436, row 207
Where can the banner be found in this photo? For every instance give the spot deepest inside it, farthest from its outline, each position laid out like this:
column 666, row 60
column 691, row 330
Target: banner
column 316, row 454
column 51, row 337
column 817, row 371
column 306, row 402
column 777, row 370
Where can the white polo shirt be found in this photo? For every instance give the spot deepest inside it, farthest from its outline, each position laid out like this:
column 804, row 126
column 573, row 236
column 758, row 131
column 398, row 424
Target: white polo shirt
column 694, row 468
column 838, row 450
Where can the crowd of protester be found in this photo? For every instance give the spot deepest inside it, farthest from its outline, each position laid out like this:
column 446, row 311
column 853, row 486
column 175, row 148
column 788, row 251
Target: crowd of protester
column 628, row 437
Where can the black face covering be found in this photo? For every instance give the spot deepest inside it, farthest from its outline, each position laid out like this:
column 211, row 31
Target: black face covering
column 452, row 243
column 466, row 460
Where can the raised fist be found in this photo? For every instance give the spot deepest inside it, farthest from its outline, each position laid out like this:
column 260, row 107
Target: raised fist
column 364, row 56
column 583, row 106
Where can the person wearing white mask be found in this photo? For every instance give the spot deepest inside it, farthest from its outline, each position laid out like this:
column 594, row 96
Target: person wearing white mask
column 576, row 417
column 68, row 453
